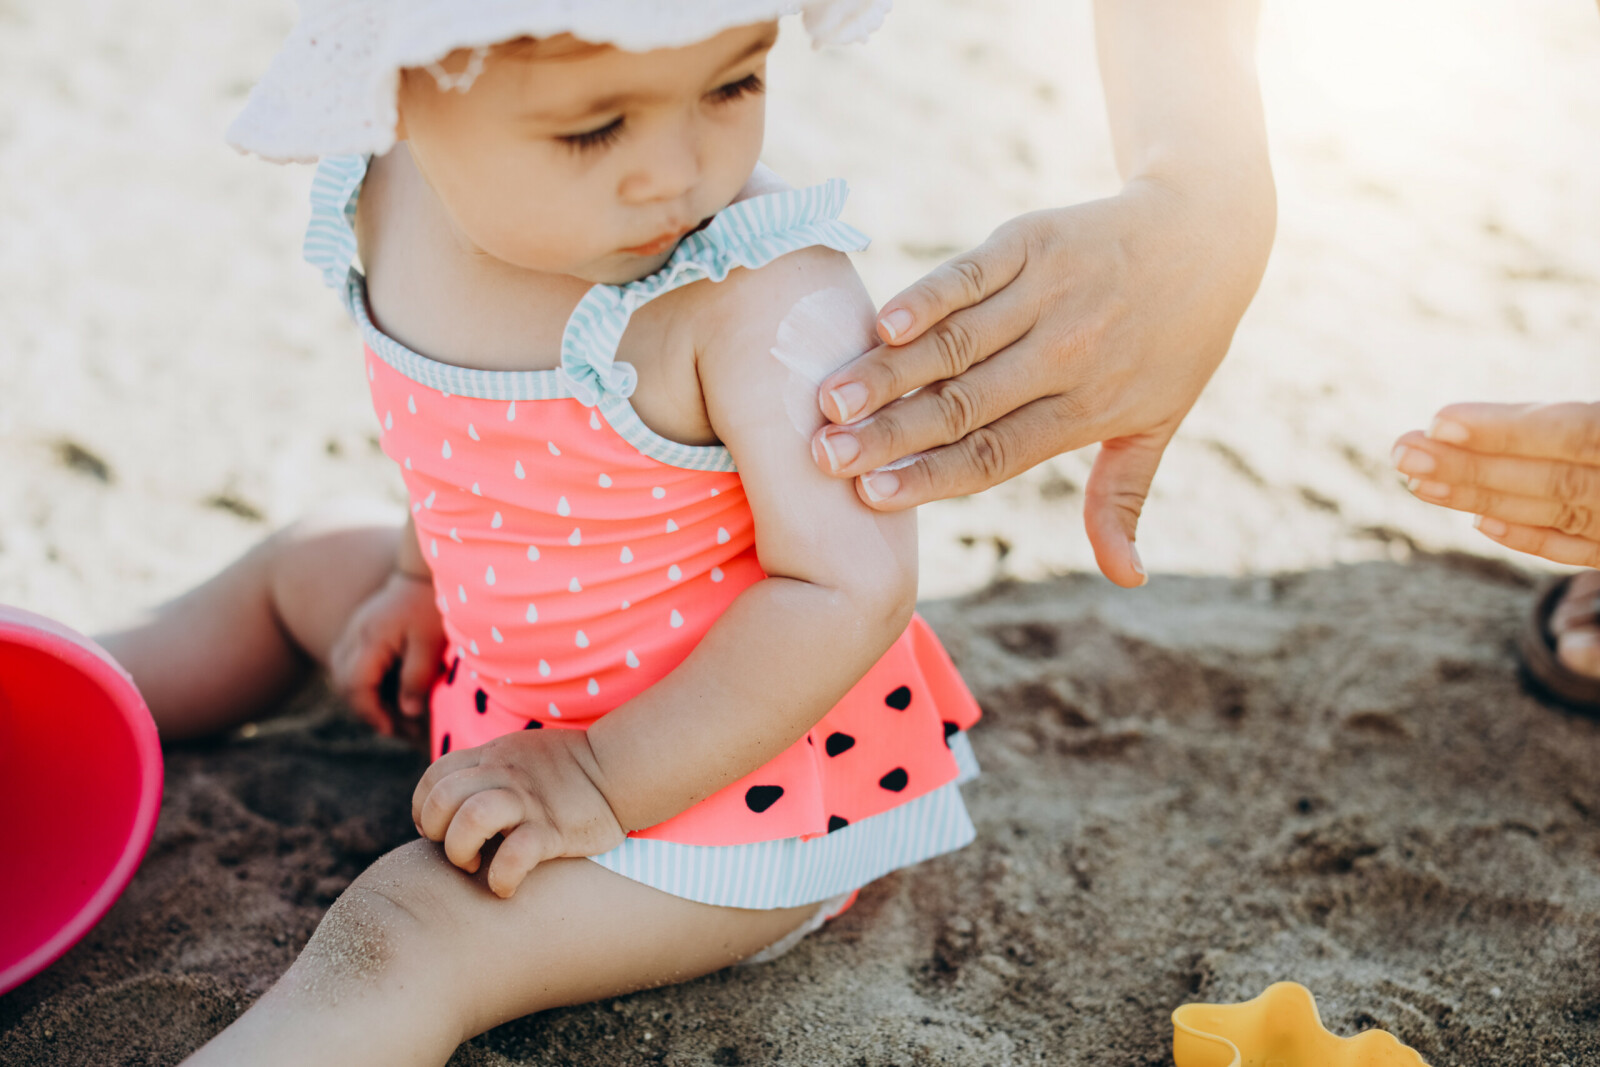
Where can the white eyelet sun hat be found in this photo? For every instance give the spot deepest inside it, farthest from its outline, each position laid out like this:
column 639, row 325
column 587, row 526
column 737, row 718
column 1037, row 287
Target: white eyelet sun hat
column 330, row 90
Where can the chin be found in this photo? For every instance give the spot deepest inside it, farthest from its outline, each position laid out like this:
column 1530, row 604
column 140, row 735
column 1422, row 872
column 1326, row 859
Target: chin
column 620, row 270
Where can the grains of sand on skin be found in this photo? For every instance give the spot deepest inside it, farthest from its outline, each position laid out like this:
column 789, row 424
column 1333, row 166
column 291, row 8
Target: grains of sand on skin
column 351, row 944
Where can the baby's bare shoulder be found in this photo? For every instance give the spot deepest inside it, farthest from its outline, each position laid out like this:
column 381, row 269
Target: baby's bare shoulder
column 811, row 297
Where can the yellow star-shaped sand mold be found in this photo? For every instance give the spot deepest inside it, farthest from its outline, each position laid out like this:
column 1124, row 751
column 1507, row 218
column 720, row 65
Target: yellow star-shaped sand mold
column 1280, row 1028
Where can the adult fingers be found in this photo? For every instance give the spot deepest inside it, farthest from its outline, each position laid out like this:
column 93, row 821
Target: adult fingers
column 986, row 456
column 1577, row 520
column 478, row 818
column 1542, row 541
column 968, row 281
column 523, row 849
column 1557, row 480
column 939, row 414
column 1569, row 431
column 1119, row 484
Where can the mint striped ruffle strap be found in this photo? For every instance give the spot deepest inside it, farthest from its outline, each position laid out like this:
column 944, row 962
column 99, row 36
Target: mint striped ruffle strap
column 330, row 242
column 751, row 234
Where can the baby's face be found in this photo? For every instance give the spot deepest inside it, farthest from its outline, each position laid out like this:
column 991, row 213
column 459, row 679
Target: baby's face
column 578, row 159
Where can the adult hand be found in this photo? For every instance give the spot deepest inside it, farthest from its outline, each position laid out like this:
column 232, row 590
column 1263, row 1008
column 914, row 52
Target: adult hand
column 1530, row 472
column 1095, row 323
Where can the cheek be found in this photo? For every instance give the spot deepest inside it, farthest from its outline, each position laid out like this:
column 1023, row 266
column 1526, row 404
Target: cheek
column 535, row 224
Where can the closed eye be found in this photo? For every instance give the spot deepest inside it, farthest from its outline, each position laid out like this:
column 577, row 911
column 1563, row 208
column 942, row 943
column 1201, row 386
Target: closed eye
column 745, row 86
column 603, row 137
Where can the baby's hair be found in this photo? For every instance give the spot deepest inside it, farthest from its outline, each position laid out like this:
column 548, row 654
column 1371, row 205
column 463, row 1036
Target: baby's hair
column 519, row 48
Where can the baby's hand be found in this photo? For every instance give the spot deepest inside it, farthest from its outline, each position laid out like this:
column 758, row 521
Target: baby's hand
column 396, row 627
column 535, row 788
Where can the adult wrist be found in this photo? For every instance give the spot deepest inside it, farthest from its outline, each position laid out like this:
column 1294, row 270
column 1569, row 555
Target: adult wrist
column 1228, row 194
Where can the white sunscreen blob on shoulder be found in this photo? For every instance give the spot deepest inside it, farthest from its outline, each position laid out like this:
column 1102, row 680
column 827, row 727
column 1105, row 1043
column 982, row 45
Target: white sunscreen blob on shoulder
column 820, row 334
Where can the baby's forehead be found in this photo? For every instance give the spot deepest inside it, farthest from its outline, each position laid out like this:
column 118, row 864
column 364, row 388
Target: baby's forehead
column 560, row 46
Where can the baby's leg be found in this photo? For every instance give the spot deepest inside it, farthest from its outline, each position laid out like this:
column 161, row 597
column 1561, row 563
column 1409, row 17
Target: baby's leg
column 239, row 644
column 418, row 956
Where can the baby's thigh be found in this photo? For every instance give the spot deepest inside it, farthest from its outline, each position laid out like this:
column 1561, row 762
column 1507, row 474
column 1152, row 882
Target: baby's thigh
column 573, row 932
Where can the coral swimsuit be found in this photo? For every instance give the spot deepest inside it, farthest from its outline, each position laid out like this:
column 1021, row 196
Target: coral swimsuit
column 578, row 557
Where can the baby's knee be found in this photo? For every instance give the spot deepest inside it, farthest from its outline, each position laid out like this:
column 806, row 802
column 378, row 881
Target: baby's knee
column 389, row 924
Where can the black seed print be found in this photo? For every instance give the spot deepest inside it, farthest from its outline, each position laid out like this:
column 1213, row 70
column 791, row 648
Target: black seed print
column 450, row 679
column 838, row 743
column 533, row 724
column 895, row 780
column 444, row 744
column 949, row 728
column 835, row 822
column 759, row 798
column 480, row 700
column 899, row 700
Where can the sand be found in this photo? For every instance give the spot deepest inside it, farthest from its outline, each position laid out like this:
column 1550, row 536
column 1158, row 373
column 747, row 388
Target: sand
column 1301, row 753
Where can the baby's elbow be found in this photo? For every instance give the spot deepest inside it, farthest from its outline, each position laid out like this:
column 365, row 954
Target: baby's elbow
column 885, row 599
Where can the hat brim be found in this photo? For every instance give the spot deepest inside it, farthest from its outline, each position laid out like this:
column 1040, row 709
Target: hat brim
column 330, row 89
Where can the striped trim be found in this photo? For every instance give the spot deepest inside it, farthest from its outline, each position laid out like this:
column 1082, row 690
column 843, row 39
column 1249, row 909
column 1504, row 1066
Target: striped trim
column 749, row 234
column 330, row 242
column 792, row 872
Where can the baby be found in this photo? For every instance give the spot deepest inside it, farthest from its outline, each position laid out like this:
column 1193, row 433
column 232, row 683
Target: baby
column 679, row 705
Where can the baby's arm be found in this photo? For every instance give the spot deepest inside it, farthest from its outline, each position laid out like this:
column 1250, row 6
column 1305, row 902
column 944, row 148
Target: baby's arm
column 841, row 581
column 840, row 588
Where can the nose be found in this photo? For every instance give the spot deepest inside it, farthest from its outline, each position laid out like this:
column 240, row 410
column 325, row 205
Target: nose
column 669, row 167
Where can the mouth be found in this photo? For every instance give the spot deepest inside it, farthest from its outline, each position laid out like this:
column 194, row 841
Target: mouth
column 659, row 245
column 665, row 241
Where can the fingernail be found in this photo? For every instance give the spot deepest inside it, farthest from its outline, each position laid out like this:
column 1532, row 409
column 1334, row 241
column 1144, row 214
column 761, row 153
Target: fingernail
column 848, row 399
column 880, row 485
column 1451, row 433
column 418, row 825
column 1414, row 461
column 841, row 448
column 1579, row 650
column 1491, row 526
column 895, row 323
column 1133, row 558
column 1434, row 490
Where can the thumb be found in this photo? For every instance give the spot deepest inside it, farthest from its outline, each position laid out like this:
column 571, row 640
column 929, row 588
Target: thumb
column 968, row 279
column 1119, row 482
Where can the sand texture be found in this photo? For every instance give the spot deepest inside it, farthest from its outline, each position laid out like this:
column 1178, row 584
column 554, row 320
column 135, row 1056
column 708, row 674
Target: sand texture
column 1300, row 753
column 1330, row 776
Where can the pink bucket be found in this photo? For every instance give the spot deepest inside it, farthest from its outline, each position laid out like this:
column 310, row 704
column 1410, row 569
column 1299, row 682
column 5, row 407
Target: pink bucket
column 80, row 786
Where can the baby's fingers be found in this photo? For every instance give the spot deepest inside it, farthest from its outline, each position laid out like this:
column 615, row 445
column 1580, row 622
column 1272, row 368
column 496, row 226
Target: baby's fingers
column 440, row 791
column 523, row 849
column 357, row 669
column 480, row 817
column 417, row 672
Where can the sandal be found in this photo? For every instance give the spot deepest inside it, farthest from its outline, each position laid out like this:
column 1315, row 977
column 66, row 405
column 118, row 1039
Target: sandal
column 1543, row 672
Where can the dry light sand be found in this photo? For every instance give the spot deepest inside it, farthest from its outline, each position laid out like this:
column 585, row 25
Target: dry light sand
column 1300, row 753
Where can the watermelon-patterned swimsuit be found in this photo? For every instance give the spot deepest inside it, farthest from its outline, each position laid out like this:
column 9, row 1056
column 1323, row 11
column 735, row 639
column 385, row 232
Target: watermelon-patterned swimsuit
column 578, row 557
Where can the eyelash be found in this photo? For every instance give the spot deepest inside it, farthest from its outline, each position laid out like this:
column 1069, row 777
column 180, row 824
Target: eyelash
column 745, row 86
column 604, row 137
column 608, row 135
